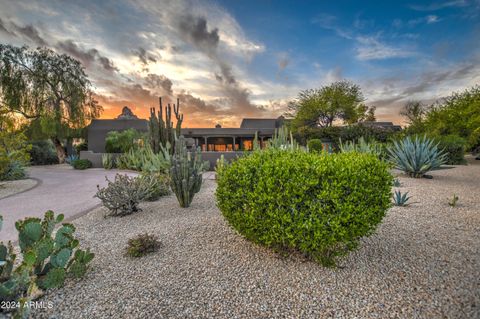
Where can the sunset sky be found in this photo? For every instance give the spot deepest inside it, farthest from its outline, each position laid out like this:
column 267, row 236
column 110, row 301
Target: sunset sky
column 227, row 60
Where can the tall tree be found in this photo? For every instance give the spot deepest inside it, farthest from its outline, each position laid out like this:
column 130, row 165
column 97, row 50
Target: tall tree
column 321, row 107
column 414, row 112
column 47, row 88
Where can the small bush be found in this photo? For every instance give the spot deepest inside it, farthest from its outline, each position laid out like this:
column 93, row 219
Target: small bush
column 43, row 153
column 14, row 171
column 156, row 184
column 362, row 146
column 71, row 158
column 14, row 155
column 123, row 195
column 315, row 145
column 142, row 244
column 81, row 164
column 121, row 142
column 293, row 200
column 454, row 147
column 400, row 199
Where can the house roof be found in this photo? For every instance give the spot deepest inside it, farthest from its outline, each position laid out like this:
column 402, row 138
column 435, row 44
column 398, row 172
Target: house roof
column 259, row 123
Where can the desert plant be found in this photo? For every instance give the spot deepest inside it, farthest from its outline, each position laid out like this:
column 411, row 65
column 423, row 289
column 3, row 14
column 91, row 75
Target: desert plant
column 186, row 172
column 43, row 153
column 161, row 131
column 144, row 159
column 318, row 205
column 416, row 155
column 108, row 161
column 283, row 139
column 122, row 196
column 362, row 146
column 71, row 158
column 156, row 184
column 453, row 201
column 15, row 170
column 14, row 155
column 315, row 145
column 121, row 142
column 400, row 199
column 141, row 245
column 220, row 164
column 81, row 164
column 47, row 259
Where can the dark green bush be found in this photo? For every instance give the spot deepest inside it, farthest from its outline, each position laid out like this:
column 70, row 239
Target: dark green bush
column 142, row 244
column 315, row 145
column 454, row 146
column 121, row 142
column 81, row 164
column 157, row 184
column 43, row 153
column 293, row 200
column 83, row 146
column 15, row 170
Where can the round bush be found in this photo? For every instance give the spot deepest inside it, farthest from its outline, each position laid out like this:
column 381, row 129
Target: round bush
column 81, row 164
column 320, row 205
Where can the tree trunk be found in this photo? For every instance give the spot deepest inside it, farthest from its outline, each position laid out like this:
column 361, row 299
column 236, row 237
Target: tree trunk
column 60, row 150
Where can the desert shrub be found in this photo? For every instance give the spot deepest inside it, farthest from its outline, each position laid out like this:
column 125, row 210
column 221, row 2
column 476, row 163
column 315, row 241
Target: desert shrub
column 81, row 164
column 43, row 153
column 71, row 158
column 144, row 159
column 47, row 260
column 156, row 184
column 416, row 155
column 362, row 146
column 400, row 199
column 14, row 155
column 141, row 245
column 107, row 161
column 121, row 142
column 315, row 145
column 318, row 205
column 122, row 196
column 454, row 148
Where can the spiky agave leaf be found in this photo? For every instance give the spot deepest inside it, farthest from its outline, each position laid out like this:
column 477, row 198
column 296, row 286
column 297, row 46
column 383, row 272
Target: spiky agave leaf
column 416, row 156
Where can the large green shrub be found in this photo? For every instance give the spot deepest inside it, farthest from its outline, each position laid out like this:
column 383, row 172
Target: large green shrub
column 121, row 142
column 294, row 200
column 144, row 159
column 13, row 155
column 43, row 153
column 416, row 155
column 454, row 147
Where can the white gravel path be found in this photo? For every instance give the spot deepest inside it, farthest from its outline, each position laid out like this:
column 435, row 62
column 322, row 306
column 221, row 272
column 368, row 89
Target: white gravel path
column 424, row 262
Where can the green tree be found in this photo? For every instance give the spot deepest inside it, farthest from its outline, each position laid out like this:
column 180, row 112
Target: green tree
column 457, row 114
column 48, row 89
column 414, row 113
column 341, row 100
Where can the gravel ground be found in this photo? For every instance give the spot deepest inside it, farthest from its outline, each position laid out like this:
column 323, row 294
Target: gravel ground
column 8, row 188
column 424, row 262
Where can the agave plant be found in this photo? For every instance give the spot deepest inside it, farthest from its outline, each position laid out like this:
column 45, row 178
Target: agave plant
column 400, row 199
column 416, row 156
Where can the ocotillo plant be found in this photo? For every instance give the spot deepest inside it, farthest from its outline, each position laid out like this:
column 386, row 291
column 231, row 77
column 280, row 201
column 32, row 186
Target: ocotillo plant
column 162, row 132
column 185, row 172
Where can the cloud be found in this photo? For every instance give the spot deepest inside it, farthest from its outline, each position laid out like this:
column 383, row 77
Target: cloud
column 329, row 22
column 154, row 81
column 86, row 56
column 30, row 32
column 144, row 57
column 438, row 5
column 4, row 29
column 195, row 30
column 371, row 48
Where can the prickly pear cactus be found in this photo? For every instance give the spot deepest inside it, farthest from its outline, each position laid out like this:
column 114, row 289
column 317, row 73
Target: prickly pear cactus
column 185, row 172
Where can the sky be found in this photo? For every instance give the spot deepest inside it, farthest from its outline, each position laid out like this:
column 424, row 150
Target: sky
column 226, row 60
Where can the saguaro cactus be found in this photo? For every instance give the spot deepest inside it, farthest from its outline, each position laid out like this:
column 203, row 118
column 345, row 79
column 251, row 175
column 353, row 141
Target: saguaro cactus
column 185, row 172
column 163, row 132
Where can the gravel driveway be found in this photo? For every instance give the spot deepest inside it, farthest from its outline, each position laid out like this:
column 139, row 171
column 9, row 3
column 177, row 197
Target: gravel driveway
column 424, row 262
column 61, row 189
